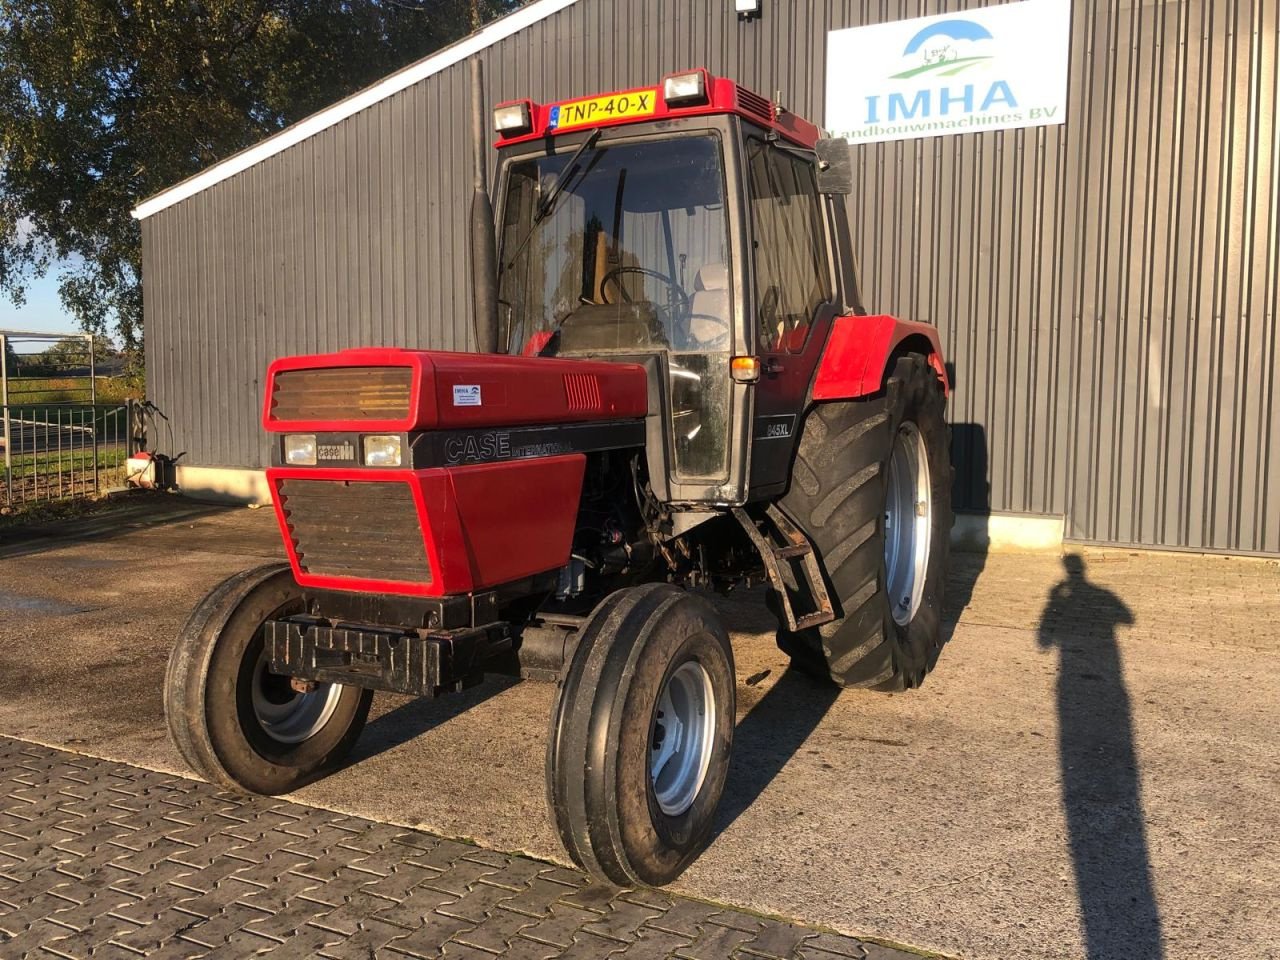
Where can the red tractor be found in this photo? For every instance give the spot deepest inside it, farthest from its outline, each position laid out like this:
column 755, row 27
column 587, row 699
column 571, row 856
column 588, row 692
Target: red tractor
column 676, row 388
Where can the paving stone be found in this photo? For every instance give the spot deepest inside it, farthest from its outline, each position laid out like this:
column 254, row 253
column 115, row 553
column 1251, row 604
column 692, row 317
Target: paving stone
column 714, row 942
column 831, row 943
column 522, row 949
column 277, row 925
column 652, row 943
column 400, row 882
column 413, row 910
column 305, row 944
column 623, row 921
column 98, row 859
column 777, row 941
column 595, row 897
column 456, row 950
column 428, row 938
column 686, row 917
column 496, row 932
column 366, row 941
column 587, row 946
column 537, row 899
column 215, row 931
column 560, row 925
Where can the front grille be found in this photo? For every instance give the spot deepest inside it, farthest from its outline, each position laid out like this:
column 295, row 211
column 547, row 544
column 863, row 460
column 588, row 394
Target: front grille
column 342, row 393
column 364, row 530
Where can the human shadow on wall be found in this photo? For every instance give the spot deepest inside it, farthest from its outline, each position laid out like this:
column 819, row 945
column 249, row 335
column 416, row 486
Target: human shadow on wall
column 1101, row 792
column 970, row 494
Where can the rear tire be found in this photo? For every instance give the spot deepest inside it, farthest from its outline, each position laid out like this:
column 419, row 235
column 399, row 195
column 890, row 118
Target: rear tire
column 641, row 734
column 846, row 477
column 233, row 721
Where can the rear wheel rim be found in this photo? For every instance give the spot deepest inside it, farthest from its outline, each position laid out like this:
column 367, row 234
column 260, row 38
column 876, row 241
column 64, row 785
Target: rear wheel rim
column 682, row 736
column 286, row 715
column 908, row 522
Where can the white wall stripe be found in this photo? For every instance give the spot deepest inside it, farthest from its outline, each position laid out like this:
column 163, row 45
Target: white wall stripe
column 309, row 127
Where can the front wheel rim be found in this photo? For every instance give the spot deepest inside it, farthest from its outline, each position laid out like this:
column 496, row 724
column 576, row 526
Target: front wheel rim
column 286, row 715
column 682, row 737
column 908, row 522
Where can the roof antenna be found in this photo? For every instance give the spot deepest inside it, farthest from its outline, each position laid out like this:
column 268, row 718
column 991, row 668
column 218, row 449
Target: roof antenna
column 484, row 252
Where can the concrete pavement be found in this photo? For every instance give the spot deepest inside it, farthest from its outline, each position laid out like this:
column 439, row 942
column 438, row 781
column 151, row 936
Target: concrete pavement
column 1090, row 771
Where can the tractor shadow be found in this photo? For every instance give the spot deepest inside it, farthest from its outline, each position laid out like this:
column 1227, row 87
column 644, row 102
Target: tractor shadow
column 971, row 499
column 416, row 716
column 768, row 737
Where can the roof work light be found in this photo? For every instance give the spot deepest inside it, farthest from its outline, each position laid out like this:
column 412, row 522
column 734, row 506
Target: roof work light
column 685, row 89
column 747, row 9
column 512, row 119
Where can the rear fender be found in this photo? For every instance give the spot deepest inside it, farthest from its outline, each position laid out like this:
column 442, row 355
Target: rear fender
column 859, row 351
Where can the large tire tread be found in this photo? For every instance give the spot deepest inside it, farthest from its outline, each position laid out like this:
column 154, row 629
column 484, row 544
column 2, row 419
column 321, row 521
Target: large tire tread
column 837, row 497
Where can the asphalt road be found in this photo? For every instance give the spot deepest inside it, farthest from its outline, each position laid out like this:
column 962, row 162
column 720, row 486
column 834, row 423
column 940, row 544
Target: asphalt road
column 1090, row 772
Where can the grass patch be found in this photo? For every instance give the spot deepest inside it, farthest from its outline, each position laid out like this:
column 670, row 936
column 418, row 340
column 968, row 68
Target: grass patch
column 37, row 390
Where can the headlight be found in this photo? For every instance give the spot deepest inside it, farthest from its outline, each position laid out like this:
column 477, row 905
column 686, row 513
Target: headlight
column 300, row 449
column 382, row 451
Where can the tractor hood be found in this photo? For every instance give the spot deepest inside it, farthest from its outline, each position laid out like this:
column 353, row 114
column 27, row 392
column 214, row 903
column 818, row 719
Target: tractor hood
column 478, row 467
column 411, row 390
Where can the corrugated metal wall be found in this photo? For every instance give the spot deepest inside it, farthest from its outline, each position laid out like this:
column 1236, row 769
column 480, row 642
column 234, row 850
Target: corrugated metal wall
column 1107, row 289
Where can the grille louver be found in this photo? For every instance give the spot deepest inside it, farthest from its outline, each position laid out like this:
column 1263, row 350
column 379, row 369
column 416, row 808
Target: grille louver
column 342, row 393
column 754, row 103
column 582, row 392
column 367, row 531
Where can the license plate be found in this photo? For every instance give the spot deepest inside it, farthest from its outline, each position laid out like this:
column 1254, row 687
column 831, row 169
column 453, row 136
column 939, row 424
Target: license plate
column 616, row 106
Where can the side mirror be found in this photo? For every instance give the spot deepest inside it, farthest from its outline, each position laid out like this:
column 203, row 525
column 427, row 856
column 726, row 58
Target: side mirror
column 835, row 167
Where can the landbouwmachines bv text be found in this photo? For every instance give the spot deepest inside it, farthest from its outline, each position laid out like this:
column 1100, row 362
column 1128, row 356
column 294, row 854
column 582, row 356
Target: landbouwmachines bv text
column 677, row 389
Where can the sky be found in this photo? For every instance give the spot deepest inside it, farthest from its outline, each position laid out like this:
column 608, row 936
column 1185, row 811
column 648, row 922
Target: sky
column 43, row 311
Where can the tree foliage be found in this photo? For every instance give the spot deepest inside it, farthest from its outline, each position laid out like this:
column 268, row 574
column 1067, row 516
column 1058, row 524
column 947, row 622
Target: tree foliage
column 104, row 102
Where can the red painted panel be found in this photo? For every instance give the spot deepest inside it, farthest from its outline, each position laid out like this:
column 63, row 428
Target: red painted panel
column 724, row 96
column 516, row 519
column 511, row 390
column 858, row 351
column 482, row 525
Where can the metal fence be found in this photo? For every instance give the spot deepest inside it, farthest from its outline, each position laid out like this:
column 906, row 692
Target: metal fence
column 55, row 451
column 56, row 439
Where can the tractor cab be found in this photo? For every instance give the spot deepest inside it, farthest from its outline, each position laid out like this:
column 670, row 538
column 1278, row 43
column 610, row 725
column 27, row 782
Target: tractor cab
column 680, row 226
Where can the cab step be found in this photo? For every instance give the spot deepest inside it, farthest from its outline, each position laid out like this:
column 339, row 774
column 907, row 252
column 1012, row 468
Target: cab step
column 792, row 565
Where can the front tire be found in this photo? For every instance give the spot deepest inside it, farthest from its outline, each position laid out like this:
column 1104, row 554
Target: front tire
column 641, row 735
column 235, row 722
column 871, row 487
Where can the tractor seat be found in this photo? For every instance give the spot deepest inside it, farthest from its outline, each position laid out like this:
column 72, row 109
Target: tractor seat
column 709, row 308
column 593, row 327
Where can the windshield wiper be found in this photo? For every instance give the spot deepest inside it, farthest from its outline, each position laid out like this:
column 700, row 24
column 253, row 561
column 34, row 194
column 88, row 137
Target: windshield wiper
column 547, row 203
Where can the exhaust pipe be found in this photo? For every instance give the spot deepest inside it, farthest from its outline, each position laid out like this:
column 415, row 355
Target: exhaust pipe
column 484, row 252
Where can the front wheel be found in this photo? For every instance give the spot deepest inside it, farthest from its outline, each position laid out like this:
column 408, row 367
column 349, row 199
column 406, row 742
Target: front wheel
column 641, row 734
column 871, row 488
column 234, row 721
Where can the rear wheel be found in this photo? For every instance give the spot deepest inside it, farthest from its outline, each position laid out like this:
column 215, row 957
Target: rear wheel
column 641, row 734
column 234, row 721
column 872, row 489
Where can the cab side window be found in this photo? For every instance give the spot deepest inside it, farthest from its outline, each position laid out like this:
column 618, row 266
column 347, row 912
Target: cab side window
column 791, row 271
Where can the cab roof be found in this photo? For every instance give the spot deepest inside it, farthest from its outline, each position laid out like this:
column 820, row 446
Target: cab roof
column 646, row 104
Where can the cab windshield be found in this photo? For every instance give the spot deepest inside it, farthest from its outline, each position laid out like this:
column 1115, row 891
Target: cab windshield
column 630, row 255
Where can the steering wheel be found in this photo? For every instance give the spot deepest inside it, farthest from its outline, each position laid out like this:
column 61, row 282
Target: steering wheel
column 676, row 297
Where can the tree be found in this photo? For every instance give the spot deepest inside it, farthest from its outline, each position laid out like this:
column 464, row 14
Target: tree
column 104, row 102
column 10, row 358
